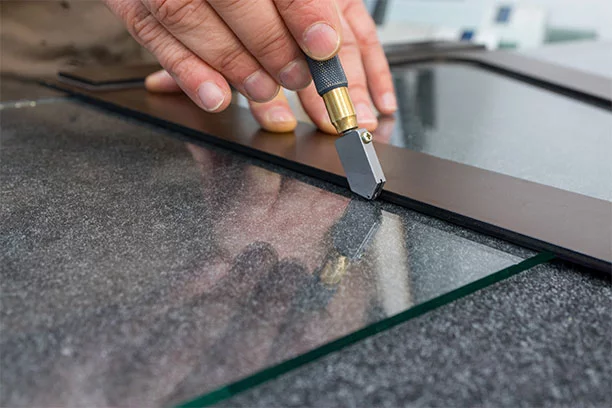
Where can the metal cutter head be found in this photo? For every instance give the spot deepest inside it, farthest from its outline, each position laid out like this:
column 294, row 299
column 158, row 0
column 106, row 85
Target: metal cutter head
column 355, row 148
column 360, row 163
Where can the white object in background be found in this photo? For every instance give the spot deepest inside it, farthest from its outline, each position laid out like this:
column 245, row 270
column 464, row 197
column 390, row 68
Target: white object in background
column 518, row 24
column 394, row 32
column 488, row 38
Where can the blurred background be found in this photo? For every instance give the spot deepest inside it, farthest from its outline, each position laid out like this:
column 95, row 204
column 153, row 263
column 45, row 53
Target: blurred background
column 497, row 24
column 38, row 37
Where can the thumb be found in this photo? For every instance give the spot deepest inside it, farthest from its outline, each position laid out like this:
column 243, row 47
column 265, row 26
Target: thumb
column 315, row 25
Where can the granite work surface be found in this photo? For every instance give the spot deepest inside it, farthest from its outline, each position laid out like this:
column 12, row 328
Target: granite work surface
column 539, row 339
column 143, row 269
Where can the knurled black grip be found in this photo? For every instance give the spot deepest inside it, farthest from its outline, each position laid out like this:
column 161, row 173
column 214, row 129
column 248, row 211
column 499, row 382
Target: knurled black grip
column 327, row 75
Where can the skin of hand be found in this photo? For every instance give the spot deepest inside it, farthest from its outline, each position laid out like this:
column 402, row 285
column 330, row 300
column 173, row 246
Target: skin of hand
column 257, row 46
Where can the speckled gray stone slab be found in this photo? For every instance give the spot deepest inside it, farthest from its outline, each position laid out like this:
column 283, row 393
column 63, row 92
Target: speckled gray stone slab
column 140, row 269
column 540, row 339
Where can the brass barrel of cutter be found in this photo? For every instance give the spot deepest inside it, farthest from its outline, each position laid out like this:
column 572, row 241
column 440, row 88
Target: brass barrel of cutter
column 332, row 85
column 340, row 109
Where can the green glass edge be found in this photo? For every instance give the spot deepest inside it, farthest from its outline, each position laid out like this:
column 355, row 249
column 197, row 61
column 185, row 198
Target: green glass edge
column 267, row 374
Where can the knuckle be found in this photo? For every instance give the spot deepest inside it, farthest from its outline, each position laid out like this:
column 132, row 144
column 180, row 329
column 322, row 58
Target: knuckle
column 229, row 59
column 142, row 26
column 173, row 13
column 359, row 89
column 228, row 4
column 179, row 63
column 383, row 74
column 349, row 41
column 303, row 8
column 272, row 44
column 285, row 5
column 365, row 33
column 368, row 40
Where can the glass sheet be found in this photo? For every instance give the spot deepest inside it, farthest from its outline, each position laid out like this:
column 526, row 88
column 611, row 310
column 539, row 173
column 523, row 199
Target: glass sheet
column 143, row 270
column 487, row 120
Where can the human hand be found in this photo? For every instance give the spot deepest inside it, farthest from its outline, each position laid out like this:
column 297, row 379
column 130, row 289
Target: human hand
column 256, row 46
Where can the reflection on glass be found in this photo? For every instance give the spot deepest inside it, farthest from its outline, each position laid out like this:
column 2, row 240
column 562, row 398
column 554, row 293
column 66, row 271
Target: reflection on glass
column 148, row 271
column 484, row 119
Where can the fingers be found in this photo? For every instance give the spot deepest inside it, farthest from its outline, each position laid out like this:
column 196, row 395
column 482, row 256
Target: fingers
column 315, row 25
column 204, row 44
column 276, row 115
column 273, row 116
column 161, row 81
column 350, row 56
column 203, row 84
column 373, row 57
column 196, row 25
column 263, row 32
column 315, row 108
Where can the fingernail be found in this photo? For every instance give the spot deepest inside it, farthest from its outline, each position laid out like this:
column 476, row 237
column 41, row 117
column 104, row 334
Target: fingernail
column 364, row 114
column 260, row 87
column 279, row 115
column 159, row 81
column 321, row 41
column 295, row 75
column 279, row 119
column 211, row 96
column 389, row 102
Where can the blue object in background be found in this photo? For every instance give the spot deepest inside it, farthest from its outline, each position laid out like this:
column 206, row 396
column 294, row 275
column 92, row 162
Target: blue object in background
column 503, row 14
column 467, row 35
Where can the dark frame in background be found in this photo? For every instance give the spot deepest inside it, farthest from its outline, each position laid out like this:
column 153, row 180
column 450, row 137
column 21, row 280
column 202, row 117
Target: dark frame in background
column 574, row 227
column 587, row 87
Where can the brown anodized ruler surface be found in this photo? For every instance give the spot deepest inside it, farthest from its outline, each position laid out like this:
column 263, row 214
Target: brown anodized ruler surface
column 573, row 226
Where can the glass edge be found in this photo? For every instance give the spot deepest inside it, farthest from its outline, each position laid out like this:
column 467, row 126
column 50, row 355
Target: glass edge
column 230, row 390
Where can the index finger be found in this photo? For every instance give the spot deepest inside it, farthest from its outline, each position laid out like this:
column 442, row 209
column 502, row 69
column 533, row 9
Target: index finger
column 315, row 25
column 373, row 57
